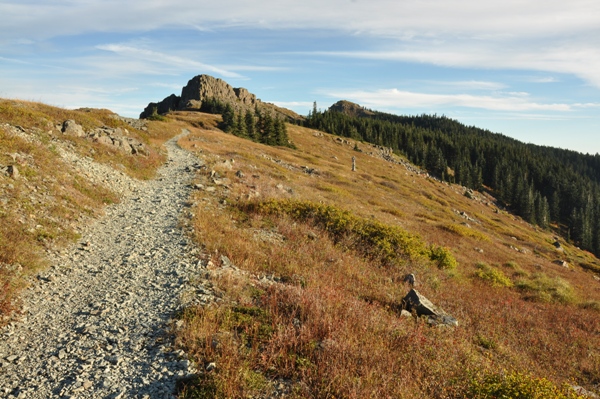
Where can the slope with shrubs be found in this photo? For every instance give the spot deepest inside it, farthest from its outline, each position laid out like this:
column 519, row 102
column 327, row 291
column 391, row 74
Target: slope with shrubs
column 50, row 200
column 314, row 308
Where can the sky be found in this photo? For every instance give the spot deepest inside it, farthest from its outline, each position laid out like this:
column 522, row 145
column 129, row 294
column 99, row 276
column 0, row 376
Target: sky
column 526, row 69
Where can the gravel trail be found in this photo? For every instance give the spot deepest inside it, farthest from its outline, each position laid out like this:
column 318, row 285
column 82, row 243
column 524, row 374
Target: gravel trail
column 96, row 322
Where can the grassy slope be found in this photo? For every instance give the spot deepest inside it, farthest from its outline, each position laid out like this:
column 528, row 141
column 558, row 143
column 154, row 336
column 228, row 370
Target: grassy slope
column 325, row 324
column 47, row 205
column 331, row 329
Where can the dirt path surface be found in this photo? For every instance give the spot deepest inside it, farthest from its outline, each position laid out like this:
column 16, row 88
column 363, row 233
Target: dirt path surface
column 96, row 322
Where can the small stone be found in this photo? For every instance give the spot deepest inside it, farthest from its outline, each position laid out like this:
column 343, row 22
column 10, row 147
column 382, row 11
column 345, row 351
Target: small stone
column 211, row 366
column 12, row 171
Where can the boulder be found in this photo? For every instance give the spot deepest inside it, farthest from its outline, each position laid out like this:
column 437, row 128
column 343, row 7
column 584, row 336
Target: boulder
column 415, row 303
column 72, row 128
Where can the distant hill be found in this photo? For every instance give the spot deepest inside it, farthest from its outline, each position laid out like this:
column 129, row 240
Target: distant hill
column 544, row 185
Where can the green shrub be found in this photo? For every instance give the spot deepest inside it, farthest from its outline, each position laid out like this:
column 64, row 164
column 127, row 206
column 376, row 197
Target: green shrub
column 373, row 238
column 465, row 231
column 540, row 287
column 517, row 385
column 492, row 276
column 444, row 258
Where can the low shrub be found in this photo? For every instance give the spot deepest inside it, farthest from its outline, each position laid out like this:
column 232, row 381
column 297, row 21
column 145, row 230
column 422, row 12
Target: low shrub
column 517, row 385
column 465, row 231
column 542, row 288
column 444, row 258
column 375, row 239
column 492, row 276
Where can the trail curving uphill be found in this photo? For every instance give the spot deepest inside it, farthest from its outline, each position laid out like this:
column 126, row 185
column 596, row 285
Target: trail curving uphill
column 96, row 322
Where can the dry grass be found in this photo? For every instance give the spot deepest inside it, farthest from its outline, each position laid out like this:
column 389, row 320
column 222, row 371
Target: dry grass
column 326, row 324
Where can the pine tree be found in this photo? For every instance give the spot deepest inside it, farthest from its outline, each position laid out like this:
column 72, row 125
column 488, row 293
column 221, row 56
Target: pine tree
column 228, row 118
column 250, row 125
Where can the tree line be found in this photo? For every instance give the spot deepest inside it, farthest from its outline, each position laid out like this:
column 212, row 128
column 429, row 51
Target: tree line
column 257, row 126
column 543, row 185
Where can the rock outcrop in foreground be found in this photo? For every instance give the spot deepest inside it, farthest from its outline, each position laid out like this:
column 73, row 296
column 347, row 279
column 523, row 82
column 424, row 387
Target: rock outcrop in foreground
column 205, row 87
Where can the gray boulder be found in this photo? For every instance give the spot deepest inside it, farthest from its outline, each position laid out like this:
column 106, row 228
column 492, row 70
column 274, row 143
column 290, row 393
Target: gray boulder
column 72, row 128
column 415, row 303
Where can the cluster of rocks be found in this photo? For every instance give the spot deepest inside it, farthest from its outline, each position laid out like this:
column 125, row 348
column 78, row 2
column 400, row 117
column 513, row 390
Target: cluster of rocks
column 204, row 87
column 97, row 323
column 465, row 216
column 115, row 137
column 138, row 124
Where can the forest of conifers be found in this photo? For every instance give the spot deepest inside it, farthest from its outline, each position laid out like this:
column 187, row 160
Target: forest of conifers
column 543, row 185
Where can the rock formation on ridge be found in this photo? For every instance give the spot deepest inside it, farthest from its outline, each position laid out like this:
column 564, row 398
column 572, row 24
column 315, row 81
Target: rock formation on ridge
column 203, row 87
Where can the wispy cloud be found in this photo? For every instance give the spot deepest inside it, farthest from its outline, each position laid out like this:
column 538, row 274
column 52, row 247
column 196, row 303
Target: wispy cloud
column 394, row 98
column 542, row 35
column 162, row 58
column 469, row 84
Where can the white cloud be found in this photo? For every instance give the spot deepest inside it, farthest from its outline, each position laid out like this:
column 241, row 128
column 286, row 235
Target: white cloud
column 394, row 98
column 162, row 58
column 542, row 35
column 469, row 84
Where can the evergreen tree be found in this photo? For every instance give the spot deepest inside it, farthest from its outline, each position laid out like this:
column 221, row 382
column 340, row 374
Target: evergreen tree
column 228, row 118
column 250, row 125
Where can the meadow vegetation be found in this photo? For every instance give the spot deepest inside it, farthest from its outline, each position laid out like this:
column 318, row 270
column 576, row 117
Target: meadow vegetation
column 315, row 309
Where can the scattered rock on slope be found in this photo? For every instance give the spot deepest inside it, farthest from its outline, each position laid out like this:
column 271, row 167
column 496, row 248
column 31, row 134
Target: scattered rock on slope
column 416, row 303
column 115, row 137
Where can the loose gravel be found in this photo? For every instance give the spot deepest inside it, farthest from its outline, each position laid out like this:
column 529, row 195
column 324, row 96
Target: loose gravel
column 97, row 323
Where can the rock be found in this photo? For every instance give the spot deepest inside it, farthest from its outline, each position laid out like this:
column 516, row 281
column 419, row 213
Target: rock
column 204, row 87
column 560, row 262
column 12, row 171
column 72, row 128
column 416, row 303
column 240, row 174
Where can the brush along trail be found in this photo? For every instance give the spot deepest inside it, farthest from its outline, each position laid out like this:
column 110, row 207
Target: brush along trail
column 96, row 322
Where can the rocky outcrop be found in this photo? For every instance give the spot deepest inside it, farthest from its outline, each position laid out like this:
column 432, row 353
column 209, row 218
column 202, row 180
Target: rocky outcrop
column 203, row 87
column 350, row 109
column 115, row 137
column 415, row 303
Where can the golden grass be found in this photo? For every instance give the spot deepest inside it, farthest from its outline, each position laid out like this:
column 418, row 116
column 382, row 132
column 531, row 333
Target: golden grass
column 327, row 323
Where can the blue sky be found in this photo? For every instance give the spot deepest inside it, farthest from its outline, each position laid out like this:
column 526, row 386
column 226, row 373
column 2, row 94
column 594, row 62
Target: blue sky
column 527, row 69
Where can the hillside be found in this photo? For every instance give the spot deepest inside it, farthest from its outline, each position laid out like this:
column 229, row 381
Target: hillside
column 546, row 186
column 300, row 263
column 318, row 310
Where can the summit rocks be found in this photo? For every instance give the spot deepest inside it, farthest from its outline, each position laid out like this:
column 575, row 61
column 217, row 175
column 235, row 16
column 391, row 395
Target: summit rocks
column 203, row 87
